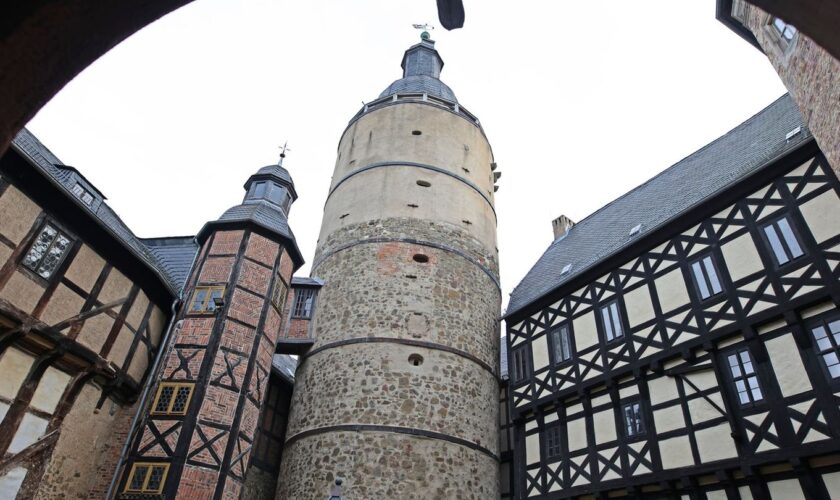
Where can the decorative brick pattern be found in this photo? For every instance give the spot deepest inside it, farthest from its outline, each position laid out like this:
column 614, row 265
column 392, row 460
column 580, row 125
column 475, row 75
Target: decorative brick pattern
column 196, row 483
column 246, row 307
column 262, row 249
column 195, row 330
column 226, row 242
column 216, row 270
column 254, row 277
column 219, row 405
column 238, row 337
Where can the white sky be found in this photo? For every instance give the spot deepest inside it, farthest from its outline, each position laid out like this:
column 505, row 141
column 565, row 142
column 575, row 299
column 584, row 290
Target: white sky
column 581, row 101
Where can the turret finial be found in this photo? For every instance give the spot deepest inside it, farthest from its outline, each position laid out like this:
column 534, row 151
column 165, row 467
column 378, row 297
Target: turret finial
column 425, row 27
column 285, row 147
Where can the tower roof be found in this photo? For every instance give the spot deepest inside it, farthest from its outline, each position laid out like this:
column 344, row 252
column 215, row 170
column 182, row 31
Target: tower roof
column 421, row 66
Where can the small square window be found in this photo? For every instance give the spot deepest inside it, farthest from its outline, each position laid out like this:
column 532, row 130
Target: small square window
column 706, row 277
column 47, row 251
column 634, row 422
column 611, row 321
column 784, row 30
column 521, row 363
column 172, row 398
column 782, row 241
column 304, row 300
column 147, row 478
column 560, row 340
column 826, row 335
column 744, row 377
column 553, row 443
column 203, row 300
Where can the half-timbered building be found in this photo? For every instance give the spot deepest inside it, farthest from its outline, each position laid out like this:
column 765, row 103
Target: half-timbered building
column 90, row 405
column 684, row 339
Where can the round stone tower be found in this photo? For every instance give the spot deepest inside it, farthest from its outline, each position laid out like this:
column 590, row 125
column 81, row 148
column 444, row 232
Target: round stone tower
column 399, row 394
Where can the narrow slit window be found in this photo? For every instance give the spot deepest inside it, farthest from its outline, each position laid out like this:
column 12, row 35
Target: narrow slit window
column 47, row 251
column 783, row 241
column 744, row 377
column 172, row 398
column 521, row 363
column 827, row 337
column 611, row 319
column 147, row 478
column 304, row 299
column 634, row 423
column 553, row 444
column 705, row 277
column 278, row 295
column 561, row 344
column 204, row 299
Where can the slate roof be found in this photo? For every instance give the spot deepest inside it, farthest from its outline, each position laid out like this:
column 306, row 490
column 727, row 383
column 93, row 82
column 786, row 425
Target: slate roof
column 420, row 84
column 285, row 366
column 26, row 144
column 421, row 73
column 175, row 254
column 305, row 281
column 741, row 152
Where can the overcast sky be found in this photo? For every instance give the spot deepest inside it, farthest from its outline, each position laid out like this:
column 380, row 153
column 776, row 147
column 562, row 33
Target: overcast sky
column 581, row 101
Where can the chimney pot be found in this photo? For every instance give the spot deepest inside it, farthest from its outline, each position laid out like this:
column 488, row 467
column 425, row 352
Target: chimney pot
column 561, row 226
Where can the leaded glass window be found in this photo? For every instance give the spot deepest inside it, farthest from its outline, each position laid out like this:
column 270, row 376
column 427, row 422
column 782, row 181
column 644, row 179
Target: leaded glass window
column 47, row 251
column 172, row 398
column 147, row 478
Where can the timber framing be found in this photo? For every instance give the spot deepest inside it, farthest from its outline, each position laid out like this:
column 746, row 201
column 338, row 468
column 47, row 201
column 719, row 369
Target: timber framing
column 791, row 432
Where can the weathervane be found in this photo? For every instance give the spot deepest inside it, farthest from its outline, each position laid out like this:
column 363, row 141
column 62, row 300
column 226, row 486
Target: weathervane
column 425, row 27
column 285, row 147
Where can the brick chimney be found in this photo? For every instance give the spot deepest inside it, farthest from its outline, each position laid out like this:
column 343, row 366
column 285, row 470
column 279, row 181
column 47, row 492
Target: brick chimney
column 561, row 226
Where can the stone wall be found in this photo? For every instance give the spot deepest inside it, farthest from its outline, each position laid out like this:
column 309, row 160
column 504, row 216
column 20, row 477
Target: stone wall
column 378, row 465
column 811, row 75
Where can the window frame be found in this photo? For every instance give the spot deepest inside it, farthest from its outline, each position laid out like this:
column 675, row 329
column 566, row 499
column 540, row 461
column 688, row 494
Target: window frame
column 783, row 43
column 618, row 312
column 279, row 282
column 774, row 222
column 700, row 261
column 824, row 321
column 62, row 260
column 206, row 301
column 144, row 489
column 527, row 364
column 643, row 418
column 552, row 343
column 310, row 292
column 176, row 387
column 549, row 433
column 752, row 403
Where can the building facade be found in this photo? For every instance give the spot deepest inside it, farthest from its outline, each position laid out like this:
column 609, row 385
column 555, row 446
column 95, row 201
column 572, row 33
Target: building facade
column 810, row 73
column 681, row 341
column 399, row 393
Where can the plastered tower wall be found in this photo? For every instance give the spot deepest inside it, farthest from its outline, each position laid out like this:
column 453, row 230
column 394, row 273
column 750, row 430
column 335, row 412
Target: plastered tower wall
column 399, row 394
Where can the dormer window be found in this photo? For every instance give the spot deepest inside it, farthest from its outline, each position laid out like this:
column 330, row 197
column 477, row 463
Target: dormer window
column 83, row 194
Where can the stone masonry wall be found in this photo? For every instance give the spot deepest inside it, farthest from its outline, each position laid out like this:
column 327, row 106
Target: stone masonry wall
column 394, row 465
column 812, row 76
column 379, row 290
column 350, row 386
